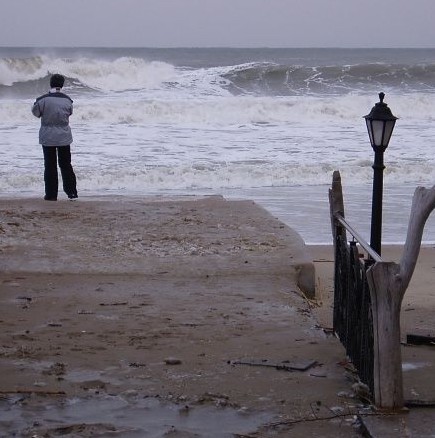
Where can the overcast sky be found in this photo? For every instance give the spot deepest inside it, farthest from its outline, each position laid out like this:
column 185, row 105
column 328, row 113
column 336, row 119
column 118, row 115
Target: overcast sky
column 230, row 23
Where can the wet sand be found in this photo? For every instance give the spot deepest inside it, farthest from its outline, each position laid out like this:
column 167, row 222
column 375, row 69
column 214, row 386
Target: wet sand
column 130, row 317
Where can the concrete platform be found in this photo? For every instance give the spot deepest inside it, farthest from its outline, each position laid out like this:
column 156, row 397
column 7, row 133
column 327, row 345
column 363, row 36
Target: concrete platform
column 136, row 236
column 136, row 317
column 125, row 301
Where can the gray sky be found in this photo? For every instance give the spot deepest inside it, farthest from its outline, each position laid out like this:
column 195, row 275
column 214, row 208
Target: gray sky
column 232, row 23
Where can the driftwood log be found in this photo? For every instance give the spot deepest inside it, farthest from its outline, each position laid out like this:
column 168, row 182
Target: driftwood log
column 388, row 282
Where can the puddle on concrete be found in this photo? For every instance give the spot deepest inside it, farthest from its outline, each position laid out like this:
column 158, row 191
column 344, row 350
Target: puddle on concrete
column 408, row 366
column 79, row 376
column 126, row 417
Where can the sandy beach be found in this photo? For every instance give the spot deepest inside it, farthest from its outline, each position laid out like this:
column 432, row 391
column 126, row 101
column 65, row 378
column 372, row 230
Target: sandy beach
column 181, row 318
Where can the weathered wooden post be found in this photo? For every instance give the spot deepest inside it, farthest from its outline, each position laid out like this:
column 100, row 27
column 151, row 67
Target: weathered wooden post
column 336, row 206
column 336, row 203
column 388, row 283
column 383, row 279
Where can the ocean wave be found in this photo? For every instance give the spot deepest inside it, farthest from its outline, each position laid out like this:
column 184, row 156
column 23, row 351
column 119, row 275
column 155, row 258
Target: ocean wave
column 23, row 76
column 275, row 79
column 14, row 70
column 121, row 74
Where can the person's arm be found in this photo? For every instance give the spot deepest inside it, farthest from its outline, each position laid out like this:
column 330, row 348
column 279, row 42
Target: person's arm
column 36, row 110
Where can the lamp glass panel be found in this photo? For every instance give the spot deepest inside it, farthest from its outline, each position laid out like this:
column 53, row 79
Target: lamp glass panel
column 389, row 126
column 369, row 129
column 378, row 132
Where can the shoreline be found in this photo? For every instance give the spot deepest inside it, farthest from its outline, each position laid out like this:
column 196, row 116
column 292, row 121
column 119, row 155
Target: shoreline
column 283, row 204
column 289, row 205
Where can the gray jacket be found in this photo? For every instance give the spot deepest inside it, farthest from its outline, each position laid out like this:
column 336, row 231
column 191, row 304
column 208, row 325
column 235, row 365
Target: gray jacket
column 54, row 110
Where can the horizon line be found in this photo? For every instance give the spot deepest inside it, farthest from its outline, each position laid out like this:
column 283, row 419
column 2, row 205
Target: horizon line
column 218, row 47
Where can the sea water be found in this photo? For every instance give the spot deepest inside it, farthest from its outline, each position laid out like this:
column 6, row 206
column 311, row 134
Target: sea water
column 269, row 125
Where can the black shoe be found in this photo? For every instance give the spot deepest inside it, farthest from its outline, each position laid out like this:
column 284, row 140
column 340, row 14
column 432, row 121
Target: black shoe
column 72, row 197
column 46, row 198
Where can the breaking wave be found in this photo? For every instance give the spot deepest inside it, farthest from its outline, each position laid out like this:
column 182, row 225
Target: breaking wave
column 121, row 74
column 25, row 76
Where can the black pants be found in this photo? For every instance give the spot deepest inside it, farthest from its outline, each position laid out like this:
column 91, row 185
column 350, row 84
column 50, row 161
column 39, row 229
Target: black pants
column 62, row 154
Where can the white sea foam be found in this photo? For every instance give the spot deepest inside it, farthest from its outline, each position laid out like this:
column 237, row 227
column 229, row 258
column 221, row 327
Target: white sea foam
column 161, row 107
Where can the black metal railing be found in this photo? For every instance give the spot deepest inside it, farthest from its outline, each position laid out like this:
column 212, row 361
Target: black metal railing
column 353, row 322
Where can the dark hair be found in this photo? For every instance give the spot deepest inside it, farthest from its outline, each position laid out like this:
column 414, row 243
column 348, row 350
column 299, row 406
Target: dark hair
column 57, row 81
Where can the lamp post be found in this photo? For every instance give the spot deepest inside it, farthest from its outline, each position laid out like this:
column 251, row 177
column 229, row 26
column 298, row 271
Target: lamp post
column 380, row 124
